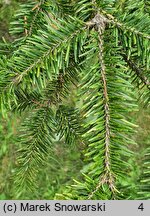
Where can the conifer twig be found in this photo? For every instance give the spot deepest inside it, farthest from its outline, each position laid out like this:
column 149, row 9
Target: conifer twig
column 99, row 21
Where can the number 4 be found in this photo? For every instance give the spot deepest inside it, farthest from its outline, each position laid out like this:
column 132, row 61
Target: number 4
column 141, row 207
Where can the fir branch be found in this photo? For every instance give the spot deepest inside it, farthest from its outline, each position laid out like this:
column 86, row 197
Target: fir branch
column 25, row 66
column 53, row 94
column 19, row 77
column 69, row 125
column 138, row 71
column 36, row 139
column 107, row 176
column 37, row 9
column 111, row 19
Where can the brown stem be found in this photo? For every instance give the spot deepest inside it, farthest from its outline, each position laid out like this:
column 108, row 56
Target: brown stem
column 138, row 71
column 99, row 22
